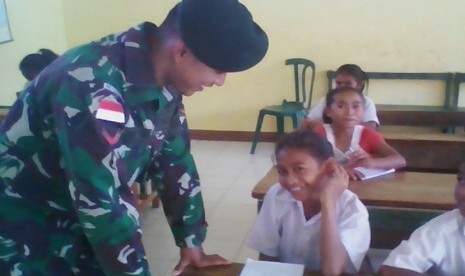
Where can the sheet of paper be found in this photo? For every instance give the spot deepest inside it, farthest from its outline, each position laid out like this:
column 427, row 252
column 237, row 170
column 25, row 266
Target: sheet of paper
column 370, row 173
column 262, row 268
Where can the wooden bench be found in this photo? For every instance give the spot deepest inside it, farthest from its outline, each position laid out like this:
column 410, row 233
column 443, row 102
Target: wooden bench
column 446, row 78
column 397, row 203
column 421, row 116
column 429, row 152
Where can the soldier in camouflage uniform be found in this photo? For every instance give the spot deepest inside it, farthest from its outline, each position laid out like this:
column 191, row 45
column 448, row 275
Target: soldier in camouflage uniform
column 98, row 118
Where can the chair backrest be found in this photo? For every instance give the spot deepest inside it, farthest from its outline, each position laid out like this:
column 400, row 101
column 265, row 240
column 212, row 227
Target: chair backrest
column 303, row 91
column 445, row 78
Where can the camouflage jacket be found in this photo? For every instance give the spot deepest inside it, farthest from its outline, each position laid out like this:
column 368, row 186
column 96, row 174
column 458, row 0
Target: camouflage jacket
column 71, row 146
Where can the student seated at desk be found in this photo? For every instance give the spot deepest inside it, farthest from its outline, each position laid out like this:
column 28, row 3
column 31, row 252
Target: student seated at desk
column 350, row 75
column 311, row 217
column 355, row 145
column 438, row 247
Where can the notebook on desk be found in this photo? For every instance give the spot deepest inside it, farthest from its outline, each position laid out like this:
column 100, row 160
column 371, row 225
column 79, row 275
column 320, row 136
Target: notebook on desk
column 263, row 268
column 371, row 172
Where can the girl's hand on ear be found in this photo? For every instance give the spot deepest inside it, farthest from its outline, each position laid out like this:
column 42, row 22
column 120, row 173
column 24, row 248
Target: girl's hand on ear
column 322, row 177
column 336, row 182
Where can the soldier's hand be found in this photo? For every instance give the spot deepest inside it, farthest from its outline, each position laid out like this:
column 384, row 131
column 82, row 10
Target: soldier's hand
column 196, row 257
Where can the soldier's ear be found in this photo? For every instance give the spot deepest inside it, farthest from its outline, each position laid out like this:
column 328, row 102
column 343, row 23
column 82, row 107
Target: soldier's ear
column 179, row 50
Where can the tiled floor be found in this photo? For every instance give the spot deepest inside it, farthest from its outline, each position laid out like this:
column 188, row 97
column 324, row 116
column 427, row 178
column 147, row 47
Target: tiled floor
column 228, row 174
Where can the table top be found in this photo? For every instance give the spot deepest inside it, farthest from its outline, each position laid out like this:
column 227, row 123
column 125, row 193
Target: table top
column 400, row 189
column 233, row 269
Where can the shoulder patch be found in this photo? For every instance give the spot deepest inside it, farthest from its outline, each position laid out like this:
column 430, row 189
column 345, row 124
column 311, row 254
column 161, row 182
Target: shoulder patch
column 110, row 111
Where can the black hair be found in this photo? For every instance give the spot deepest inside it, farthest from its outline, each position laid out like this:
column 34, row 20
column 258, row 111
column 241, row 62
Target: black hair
column 48, row 56
column 354, row 71
column 31, row 65
column 304, row 139
column 332, row 94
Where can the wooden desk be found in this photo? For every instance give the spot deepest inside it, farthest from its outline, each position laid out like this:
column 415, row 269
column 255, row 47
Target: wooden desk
column 233, row 269
column 429, row 152
column 420, row 116
column 439, row 151
column 400, row 190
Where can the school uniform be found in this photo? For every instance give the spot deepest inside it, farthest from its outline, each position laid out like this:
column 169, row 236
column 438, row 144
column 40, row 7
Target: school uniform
column 437, row 247
column 362, row 138
column 281, row 230
column 71, row 147
column 316, row 112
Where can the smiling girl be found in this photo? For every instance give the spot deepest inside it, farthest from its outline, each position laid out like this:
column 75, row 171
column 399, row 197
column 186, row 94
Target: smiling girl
column 310, row 217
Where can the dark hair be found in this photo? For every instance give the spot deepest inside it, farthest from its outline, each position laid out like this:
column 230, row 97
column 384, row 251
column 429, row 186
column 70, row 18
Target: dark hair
column 316, row 145
column 48, row 56
column 332, row 94
column 32, row 64
column 354, row 71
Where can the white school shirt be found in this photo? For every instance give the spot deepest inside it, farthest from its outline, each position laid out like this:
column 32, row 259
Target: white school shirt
column 340, row 156
column 316, row 112
column 282, row 231
column 438, row 245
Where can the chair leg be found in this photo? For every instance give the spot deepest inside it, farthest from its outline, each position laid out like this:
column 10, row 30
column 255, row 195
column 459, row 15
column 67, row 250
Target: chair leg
column 295, row 121
column 256, row 135
column 280, row 125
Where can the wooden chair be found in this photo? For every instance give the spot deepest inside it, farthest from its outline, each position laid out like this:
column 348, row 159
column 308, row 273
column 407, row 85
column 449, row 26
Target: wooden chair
column 296, row 109
column 144, row 196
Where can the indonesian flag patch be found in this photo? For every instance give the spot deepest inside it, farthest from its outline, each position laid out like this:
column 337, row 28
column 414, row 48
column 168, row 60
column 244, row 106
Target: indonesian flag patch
column 110, row 111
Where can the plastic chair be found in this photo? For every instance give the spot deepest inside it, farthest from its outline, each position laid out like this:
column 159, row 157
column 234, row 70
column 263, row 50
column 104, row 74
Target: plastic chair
column 297, row 109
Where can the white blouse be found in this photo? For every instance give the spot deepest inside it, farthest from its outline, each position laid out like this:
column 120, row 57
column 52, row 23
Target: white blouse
column 281, row 230
column 438, row 245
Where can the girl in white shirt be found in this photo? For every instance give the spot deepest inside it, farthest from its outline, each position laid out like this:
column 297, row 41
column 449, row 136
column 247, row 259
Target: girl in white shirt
column 347, row 75
column 310, row 217
column 436, row 248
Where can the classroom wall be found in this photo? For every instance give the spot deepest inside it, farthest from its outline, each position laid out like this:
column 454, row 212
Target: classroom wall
column 395, row 35
column 33, row 25
column 87, row 20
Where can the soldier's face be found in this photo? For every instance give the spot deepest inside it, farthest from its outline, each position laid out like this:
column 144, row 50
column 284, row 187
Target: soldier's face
column 191, row 75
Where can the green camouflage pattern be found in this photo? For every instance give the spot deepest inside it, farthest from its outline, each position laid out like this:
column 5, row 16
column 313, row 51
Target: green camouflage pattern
column 65, row 201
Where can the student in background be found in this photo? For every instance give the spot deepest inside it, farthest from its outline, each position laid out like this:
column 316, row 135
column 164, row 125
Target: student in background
column 32, row 64
column 354, row 144
column 350, row 75
column 436, row 248
column 310, row 217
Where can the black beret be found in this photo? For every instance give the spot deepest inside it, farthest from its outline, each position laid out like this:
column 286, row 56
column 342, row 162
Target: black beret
column 222, row 34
